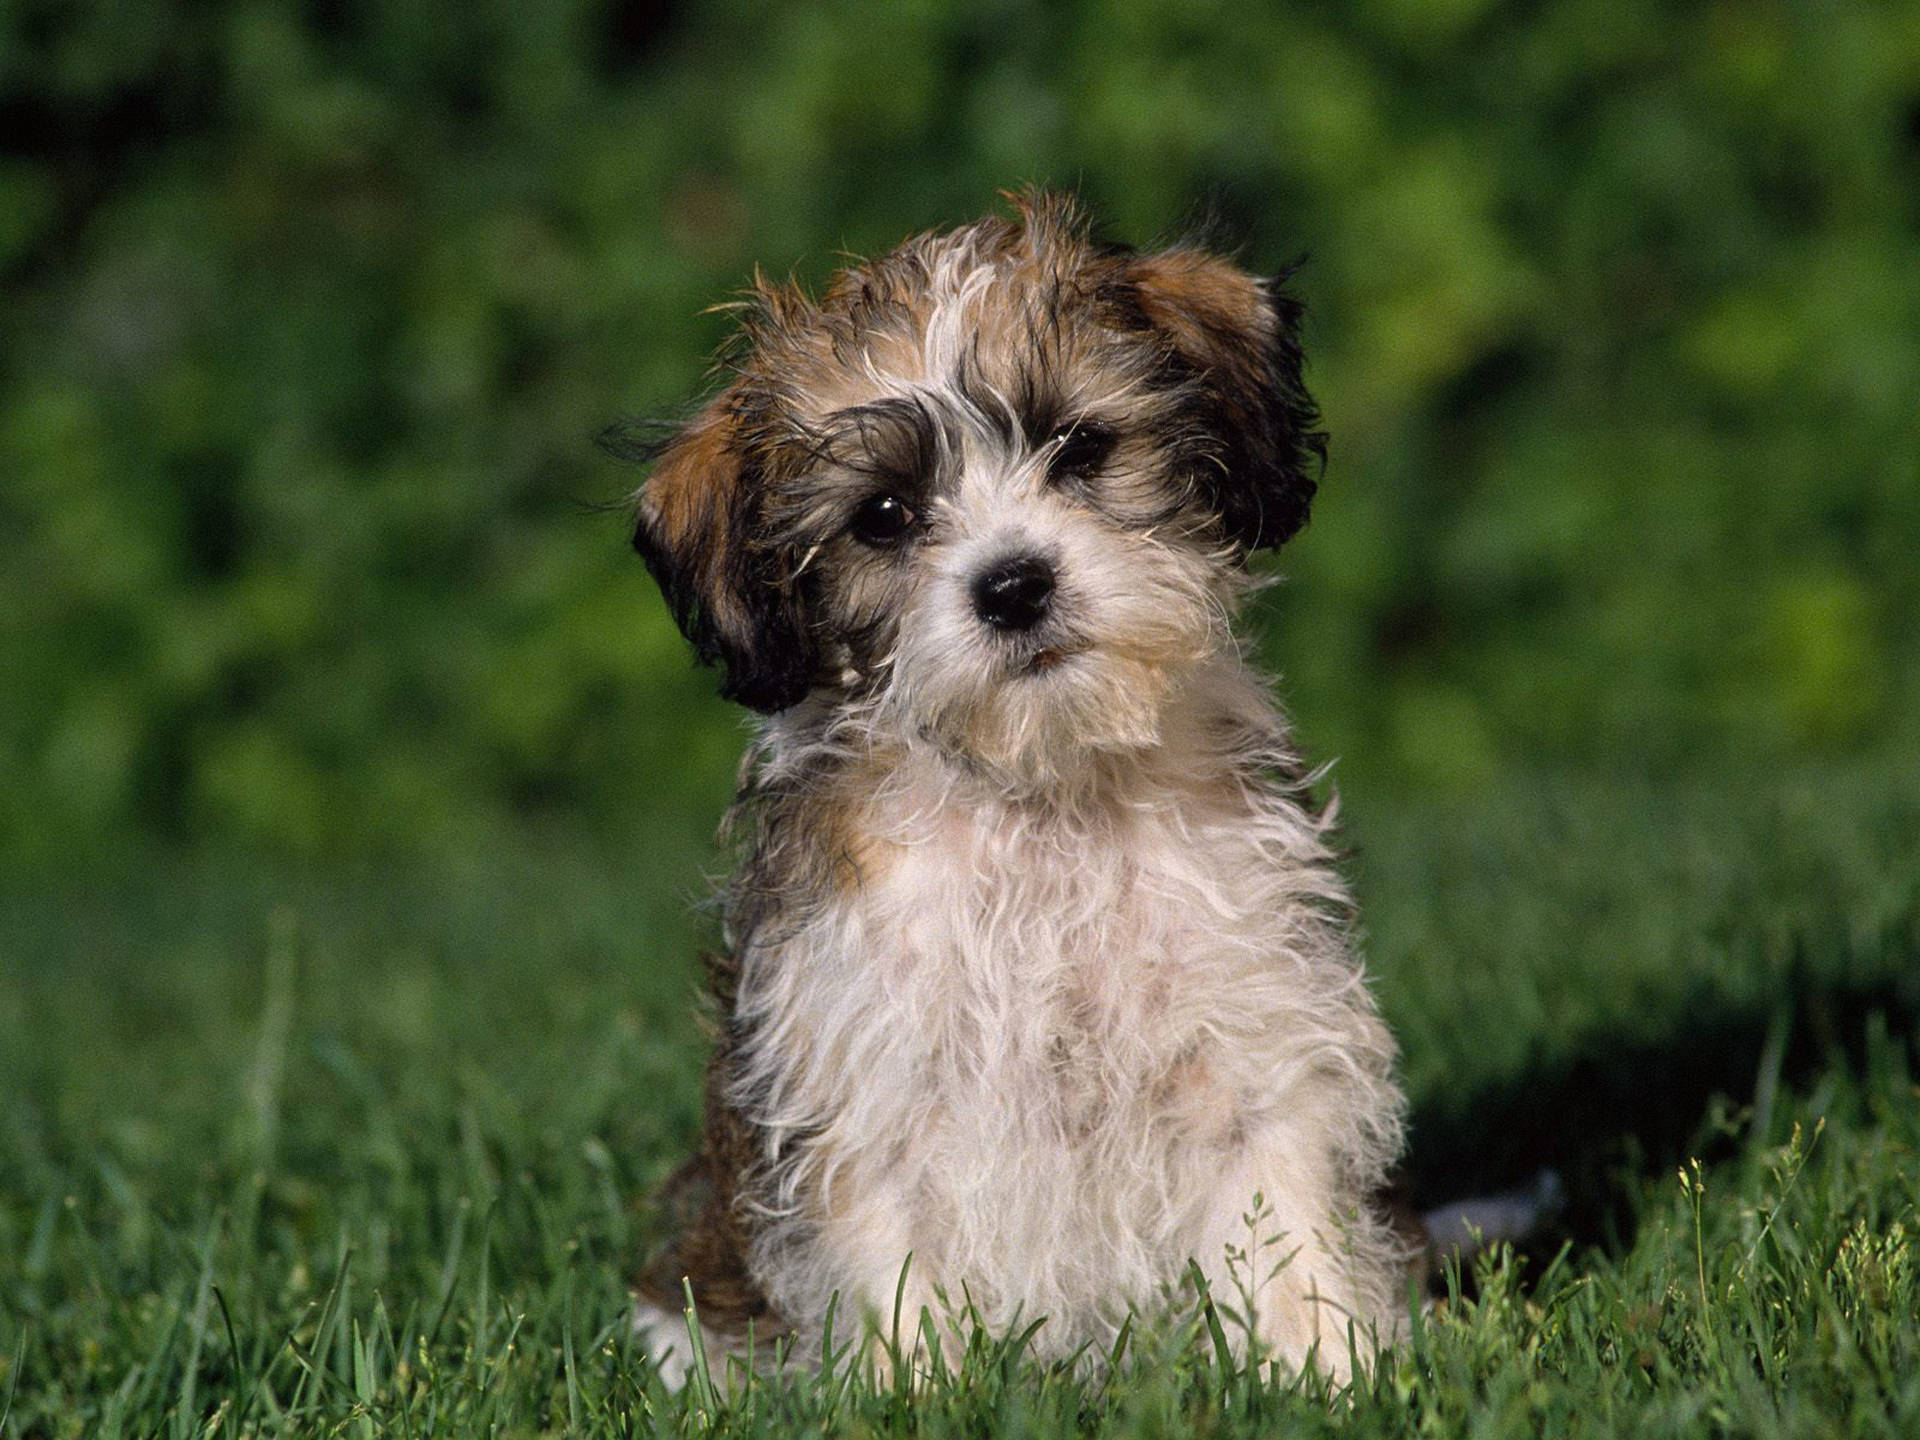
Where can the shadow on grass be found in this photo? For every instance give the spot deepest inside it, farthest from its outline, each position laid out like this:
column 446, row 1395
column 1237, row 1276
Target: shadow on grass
column 1619, row 1107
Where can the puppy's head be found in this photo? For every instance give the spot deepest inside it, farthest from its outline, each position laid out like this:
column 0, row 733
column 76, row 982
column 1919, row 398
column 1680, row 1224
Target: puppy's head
column 994, row 490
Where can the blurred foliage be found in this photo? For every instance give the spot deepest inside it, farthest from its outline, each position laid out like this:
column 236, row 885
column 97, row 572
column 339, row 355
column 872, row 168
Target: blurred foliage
column 309, row 311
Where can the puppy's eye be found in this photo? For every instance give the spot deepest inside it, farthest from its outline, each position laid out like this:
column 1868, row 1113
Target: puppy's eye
column 1079, row 452
column 881, row 520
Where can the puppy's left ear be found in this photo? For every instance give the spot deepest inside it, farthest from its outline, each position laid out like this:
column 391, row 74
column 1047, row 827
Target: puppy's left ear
column 698, row 529
column 1241, row 336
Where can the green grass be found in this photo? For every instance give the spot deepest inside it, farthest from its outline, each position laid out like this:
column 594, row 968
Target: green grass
column 359, row 1153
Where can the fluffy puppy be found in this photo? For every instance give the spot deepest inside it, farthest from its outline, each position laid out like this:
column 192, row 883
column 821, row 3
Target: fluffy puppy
column 1038, row 982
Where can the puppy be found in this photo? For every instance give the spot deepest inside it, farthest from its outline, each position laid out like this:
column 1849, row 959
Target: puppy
column 1039, row 985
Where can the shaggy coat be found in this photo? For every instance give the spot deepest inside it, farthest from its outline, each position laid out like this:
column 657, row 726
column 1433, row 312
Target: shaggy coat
column 1039, row 983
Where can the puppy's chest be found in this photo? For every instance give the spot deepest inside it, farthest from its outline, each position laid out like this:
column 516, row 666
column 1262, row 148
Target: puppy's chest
column 1025, row 979
column 1023, row 960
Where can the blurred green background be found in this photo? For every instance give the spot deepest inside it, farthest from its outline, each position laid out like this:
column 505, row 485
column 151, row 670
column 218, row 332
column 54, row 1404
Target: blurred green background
column 308, row 314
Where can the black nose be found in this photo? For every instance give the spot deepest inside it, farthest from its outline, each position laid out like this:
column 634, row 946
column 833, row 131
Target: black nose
column 1013, row 595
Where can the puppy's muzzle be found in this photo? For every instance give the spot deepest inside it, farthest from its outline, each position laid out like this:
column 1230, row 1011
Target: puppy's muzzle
column 1015, row 594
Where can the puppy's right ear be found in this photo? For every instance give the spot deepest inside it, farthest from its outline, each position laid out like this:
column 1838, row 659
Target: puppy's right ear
column 697, row 527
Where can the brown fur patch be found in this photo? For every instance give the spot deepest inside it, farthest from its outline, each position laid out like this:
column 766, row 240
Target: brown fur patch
column 1202, row 302
column 689, row 500
column 731, row 590
column 1394, row 1203
column 701, row 1206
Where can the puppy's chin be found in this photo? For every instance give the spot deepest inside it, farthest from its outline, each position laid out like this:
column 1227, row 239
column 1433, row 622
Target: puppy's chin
column 1042, row 717
column 1047, row 720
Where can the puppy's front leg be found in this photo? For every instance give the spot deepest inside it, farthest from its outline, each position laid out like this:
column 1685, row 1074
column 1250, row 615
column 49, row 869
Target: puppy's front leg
column 873, row 1260
column 1300, row 1264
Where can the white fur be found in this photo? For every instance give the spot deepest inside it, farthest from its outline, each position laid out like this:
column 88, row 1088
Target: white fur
column 670, row 1342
